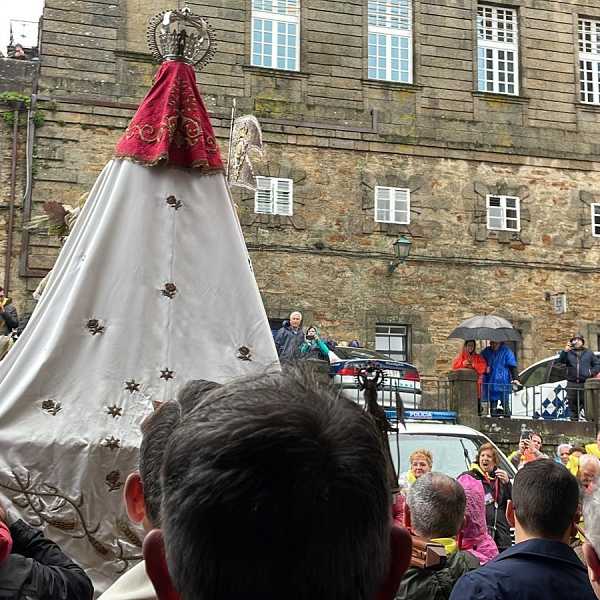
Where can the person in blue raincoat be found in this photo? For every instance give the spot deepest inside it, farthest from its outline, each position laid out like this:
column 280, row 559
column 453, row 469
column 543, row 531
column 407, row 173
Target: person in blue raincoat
column 500, row 374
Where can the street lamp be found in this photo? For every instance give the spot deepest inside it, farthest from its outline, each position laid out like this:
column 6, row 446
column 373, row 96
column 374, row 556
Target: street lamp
column 401, row 250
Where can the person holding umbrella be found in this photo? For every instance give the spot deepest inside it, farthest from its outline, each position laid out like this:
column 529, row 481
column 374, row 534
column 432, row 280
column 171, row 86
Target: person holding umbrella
column 501, row 373
column 469, row 359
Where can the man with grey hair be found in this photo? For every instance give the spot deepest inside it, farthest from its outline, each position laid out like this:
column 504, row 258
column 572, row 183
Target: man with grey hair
column 289, row 338
column 435, row 509
column 591, row 548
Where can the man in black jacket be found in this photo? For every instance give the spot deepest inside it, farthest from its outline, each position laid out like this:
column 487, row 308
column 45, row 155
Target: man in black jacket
column 581, row 364
column 37, row 569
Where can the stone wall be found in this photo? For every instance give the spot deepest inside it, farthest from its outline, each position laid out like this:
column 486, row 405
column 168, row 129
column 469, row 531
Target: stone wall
column 338, row 135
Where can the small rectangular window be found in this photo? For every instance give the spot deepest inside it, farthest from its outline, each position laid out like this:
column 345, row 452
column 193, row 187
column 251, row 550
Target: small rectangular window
column 503, row 212
column 274, row 196
column 390, row 40
column 392, row 340
column 497, row 50
column 276, row 34
column 596, row 220
column 392, row 205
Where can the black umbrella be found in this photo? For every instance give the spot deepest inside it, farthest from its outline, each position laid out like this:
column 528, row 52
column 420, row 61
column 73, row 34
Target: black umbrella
column 487, row 327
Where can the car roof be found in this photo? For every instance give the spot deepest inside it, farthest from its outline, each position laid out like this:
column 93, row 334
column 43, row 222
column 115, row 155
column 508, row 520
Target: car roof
column 549, row 358
column 350, row 353
column 439, row 428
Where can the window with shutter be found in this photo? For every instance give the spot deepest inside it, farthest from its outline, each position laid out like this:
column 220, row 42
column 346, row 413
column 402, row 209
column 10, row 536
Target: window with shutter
column 274, row 196
column 503, row 213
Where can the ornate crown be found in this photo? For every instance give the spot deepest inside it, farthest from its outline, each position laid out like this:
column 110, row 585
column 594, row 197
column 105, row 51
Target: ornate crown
column 180, row 35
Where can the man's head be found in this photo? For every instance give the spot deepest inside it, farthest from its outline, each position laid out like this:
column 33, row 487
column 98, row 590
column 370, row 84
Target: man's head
column 589, row 469
column 577, row 341
column 275, row 486
column 494, row 346
column 192, row 392
column 545, row 501
column 295, row 320
column 143, row 490
column 436, row 504
column 591, row 549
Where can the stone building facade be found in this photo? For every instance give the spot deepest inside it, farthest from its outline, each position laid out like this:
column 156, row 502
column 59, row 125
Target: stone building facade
column 342, row 134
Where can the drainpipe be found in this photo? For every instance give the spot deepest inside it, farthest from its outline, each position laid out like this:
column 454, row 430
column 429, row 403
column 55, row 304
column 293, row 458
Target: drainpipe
column 16, row 106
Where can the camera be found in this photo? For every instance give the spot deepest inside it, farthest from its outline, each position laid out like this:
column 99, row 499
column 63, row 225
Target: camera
column 526, row 434
column 310, row 337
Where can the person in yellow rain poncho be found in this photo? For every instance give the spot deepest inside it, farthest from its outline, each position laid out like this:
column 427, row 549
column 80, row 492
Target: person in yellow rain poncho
column 594, row 448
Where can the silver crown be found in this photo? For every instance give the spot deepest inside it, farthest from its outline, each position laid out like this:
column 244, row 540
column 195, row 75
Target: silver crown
column 182, row 36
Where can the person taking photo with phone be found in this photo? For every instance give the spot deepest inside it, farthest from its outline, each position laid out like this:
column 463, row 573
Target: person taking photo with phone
column 530, row 449
column 582, row 364
column 314, row 348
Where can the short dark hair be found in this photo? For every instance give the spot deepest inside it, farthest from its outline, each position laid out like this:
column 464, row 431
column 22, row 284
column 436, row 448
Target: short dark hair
column 156, row 429
column 545, row 498
column 276, row 487
column 192, row 392
column 437, row 505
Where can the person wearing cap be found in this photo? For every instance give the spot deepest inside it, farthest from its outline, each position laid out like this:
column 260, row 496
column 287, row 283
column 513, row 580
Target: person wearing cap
column 582, row 364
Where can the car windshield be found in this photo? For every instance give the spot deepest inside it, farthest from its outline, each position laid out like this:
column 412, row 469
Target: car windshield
column 348, row 353
column 452, row 454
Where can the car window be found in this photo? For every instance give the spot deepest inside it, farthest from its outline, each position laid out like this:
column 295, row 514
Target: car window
column 535, row 375
column 451, row 454
column 558, row 372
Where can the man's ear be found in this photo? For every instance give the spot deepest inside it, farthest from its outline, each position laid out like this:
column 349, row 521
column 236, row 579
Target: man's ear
column 134, row 498
column 400, row 554
column 510, row 513
column 593, row 562
column 153, row 551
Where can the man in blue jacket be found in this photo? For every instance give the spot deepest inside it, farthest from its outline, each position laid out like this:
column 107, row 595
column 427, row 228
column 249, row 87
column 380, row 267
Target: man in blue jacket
column 581, row 364
column 541, row 565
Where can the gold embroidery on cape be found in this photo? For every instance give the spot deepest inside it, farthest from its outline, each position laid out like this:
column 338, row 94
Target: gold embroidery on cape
column 49, row 505
column 180, row 127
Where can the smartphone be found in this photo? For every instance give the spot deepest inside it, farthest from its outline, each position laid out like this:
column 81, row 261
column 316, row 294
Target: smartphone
column 526, row 434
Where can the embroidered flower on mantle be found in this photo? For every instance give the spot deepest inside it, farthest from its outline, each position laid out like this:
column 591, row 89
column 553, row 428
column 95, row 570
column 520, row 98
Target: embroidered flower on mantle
column 244, row 353
column 51, row 407
column 94, row 326
column 169, row 290
column 173, row 202
column 113, row 481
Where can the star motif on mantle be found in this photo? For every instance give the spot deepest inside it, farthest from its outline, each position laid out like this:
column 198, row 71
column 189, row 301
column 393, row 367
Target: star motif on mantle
column 112, row 443
column 114, row 411
column 132, row 386
column 166, row 374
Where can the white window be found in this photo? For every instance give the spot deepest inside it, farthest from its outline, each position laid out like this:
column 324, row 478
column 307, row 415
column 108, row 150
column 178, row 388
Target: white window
column 589, row 61
column 276, row 34
column 596, row 221
column 503, row 213
column 390, row 40
column 273, row 196
column 392, row 205
column 392, row 340
column 497, row 50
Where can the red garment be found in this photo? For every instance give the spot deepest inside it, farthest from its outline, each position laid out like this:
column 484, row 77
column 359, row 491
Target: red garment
column 172, row 125
column 398, row 511
column 477, row 363
column 5, row 542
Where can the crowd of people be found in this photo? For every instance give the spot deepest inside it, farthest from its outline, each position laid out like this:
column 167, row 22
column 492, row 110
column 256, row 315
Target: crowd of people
column 247, row 490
